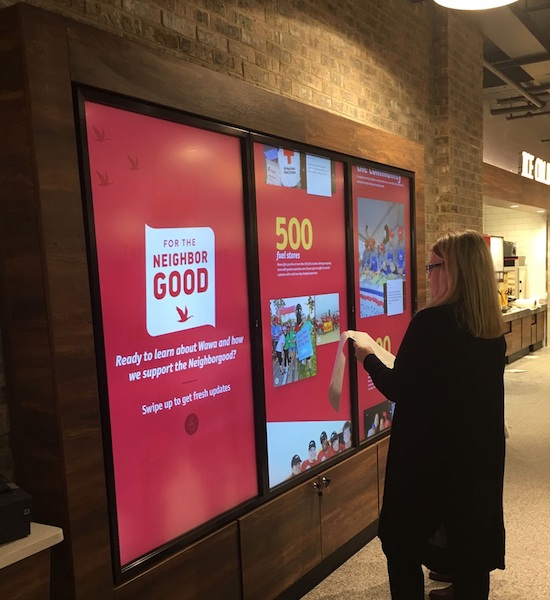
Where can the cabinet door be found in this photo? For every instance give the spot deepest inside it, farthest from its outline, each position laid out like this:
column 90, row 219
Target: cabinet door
column 280, row 542
column 541, row 326
column 513, row 336
column 526, row 332
column 350, row 503
column 27, row 579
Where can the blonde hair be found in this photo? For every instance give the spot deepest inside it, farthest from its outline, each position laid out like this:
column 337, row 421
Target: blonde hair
column 472, row 287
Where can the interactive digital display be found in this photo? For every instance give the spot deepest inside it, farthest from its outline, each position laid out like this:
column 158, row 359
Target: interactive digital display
column 302, row 257
column 168, row 226
column 382, row 232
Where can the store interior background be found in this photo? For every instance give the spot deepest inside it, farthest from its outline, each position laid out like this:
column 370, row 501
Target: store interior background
column 399, row 100
column 511, row 34
column 524, row 225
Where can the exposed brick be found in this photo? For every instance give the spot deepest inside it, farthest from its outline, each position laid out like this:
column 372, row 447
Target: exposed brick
column 226, row 29
column 241, row 20
column 255, row 74
column 143, row 10
column 229, row 61
column 179, row 24
column 389, row 64
column 161, row 37
column 278, row 52
column 250, row 38
column 216, row 40
column 241, row 50
column 169, row 5
column 201, row 16
column 213, row 6
column 200, row 52
column 268, row 63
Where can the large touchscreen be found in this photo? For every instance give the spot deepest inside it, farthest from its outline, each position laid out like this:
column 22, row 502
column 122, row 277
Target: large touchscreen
column 167, row 225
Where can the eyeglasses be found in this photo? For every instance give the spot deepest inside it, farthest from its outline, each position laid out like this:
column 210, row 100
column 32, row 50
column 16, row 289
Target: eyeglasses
column 431, row 267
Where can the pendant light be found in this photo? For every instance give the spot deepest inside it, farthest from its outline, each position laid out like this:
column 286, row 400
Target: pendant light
column 474, row 4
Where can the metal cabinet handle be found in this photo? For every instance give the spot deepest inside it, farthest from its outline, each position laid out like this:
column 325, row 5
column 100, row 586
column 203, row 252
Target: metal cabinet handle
column 317, row 486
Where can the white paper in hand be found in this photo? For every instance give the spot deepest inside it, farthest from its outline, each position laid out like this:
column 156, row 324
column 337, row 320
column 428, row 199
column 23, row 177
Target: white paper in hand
column 337, row 379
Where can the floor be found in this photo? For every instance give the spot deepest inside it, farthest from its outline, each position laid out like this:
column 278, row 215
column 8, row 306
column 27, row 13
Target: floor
column 527, row 502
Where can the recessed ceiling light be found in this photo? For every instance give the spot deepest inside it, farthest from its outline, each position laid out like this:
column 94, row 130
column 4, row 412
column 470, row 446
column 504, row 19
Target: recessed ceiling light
column 474, row 4
column 541, row 211
column 514, row 206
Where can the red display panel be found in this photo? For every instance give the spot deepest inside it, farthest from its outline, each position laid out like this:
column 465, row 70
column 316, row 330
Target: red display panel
column 302, row 258
column 168, row 223
column 382, row 241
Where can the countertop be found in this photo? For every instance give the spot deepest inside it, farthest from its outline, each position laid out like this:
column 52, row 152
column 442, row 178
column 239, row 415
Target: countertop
column 40, row 538
column 514, row 312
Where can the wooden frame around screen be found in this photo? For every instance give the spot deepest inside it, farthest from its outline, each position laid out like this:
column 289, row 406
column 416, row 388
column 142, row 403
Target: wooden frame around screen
column 46, row 311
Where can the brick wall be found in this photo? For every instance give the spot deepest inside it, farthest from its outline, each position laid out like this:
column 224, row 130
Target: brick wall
column 412, row 69
column 455, row 198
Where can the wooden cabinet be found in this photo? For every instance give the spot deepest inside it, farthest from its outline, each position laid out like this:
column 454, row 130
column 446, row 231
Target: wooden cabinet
column 283, row 540
column 534, row 328
column 280, row 542
column 525, row 332
column 350, row 503
column 513, row 337
column 540, row 328
column 211, row 568
column 25, row 564
column 28, row 579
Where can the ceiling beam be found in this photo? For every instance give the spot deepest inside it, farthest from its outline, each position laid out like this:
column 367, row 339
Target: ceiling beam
column 511, row 63
column 530, row 24
column 532, row 99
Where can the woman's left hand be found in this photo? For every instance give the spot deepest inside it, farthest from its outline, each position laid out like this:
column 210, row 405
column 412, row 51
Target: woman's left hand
column 361, row 352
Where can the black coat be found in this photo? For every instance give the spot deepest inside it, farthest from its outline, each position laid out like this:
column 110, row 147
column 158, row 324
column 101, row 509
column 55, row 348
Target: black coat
column 446, row 455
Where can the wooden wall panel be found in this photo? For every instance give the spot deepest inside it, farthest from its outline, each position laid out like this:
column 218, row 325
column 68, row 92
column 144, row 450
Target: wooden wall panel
column 280, row 542
column 34, row 431
column 513, row 188
column 28, row 579
column 350, row 503
column 210, row 568
column 47, row 323
column 56, row 439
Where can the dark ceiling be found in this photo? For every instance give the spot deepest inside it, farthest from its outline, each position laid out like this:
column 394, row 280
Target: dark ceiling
column 516, row 81
column 516, row 50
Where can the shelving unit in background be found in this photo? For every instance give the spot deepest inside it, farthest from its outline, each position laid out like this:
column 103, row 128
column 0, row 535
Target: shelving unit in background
column 515, row 276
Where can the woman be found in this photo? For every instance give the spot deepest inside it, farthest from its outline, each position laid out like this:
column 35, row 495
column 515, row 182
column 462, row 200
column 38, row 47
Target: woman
column 445, row 470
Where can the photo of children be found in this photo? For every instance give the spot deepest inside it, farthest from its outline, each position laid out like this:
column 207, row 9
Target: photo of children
column 327, row 318
column 306, row 446
column 378, row 418
column 381, row 248
column 293, row 338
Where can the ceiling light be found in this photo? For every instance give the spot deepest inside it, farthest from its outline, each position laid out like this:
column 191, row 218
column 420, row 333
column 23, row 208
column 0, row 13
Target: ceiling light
column 514, row 206
column 541, row 211
column 474, row 4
